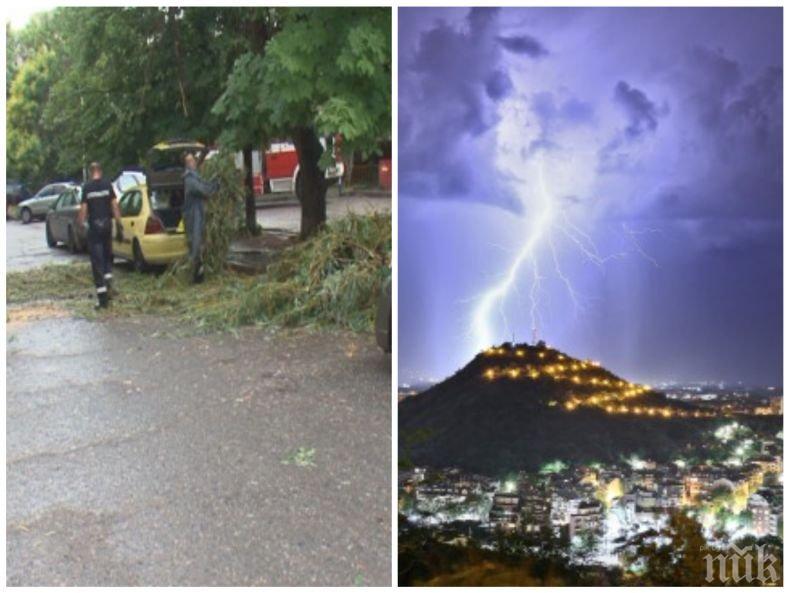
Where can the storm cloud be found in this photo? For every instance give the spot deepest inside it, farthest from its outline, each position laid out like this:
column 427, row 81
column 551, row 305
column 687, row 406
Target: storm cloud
column 525, row 45
column 642, row 113
column 453, row 79
column 665, row 121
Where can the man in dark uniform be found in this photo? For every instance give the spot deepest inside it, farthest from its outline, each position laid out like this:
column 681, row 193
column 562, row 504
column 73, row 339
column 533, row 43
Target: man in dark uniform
column 196, row 191
column 99, row 206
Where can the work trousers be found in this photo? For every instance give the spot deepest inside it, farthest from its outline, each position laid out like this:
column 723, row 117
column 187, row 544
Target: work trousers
column 100, row 251
column 194, row 219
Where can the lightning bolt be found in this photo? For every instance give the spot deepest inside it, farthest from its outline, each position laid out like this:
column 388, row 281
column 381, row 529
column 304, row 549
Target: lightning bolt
column 496, row 295
column 548, row 220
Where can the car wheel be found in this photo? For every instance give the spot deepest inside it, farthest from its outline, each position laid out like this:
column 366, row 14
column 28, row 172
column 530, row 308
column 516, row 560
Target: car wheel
column 50, row 239
column 72, row 241
column 27, row 215
column 140, row 264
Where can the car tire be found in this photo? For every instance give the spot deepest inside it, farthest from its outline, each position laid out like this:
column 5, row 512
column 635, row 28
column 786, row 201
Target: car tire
column 140, row 265
column 72, row 241
column 50, row 239
column 27, row 215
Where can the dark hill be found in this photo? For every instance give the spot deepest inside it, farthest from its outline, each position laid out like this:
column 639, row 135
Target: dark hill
column 518, row 407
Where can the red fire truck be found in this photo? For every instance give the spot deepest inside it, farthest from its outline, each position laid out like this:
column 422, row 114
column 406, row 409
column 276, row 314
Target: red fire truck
column 282, row 169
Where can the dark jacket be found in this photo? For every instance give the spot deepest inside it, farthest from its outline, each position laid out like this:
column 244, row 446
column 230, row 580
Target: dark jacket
column 196, row 188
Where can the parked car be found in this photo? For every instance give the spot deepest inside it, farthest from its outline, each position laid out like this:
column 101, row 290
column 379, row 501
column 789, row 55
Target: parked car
column 384, row 317
column 39, row 204
column 61, row 220
column 15, row 192
column 126, row 180
column 62, row 226
column 152, row 226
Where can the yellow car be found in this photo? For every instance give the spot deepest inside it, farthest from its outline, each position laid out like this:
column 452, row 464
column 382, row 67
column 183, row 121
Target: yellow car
column 153, row 228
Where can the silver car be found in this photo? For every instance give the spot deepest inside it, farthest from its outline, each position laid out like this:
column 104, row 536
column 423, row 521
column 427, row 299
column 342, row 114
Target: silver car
column 62, row 225
column 39, row 204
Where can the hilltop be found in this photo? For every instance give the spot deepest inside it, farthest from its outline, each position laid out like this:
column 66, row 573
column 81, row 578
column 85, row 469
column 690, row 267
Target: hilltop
column 519, row 406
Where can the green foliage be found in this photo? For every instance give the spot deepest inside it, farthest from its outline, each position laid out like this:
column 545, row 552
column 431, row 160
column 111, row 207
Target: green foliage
column 223, row 211
column 333, row 279
column 327, row 69
column 50, row 282
column 30, row 154
column 679, row 562
column 11, row 57
column 302, row 457
column 106, row 84
column 125, row 78
column 223, row 215
column 424, row 560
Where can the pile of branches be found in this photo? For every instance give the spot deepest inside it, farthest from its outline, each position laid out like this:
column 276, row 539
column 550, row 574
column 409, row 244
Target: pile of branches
column 223, row 210
column 224, row 215
column 334, row 278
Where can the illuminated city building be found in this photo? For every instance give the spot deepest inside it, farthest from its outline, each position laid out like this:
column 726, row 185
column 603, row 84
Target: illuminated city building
column 505, row 511
column 586, row 518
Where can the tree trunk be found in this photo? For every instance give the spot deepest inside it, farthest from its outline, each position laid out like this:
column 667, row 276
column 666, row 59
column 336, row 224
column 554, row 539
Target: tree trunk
column 173, row 13
column 348, row 166
column 263, row 148
column 311, row 184
column 249, row 193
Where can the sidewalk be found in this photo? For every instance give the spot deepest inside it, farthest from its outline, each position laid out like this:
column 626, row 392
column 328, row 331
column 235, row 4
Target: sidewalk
column 288, row 199
column 281, row 221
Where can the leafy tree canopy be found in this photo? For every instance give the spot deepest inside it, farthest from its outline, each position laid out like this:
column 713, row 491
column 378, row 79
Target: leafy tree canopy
column 111, row 82
column 327, row 69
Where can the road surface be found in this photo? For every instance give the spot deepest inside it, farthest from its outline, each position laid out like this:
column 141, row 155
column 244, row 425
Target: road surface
column 26, row 245
column 138, row 457
column 288, row 216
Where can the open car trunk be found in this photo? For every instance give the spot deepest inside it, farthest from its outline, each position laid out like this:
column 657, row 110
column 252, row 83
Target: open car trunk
column 167, row 202
column 165, row 165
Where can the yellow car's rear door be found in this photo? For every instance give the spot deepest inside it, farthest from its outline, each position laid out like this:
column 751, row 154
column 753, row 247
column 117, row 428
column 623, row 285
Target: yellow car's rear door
column 133, row 220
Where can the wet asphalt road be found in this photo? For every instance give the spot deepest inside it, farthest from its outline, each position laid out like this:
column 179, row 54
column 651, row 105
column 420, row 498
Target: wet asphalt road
column 288, row 216
column 135, row 457
column 26, row 245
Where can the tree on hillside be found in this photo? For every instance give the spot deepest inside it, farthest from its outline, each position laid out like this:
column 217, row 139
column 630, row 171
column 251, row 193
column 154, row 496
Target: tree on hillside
column 679, row 561
column 325, row 71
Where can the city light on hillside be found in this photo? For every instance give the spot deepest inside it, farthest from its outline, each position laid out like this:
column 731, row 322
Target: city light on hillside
column 607, row 390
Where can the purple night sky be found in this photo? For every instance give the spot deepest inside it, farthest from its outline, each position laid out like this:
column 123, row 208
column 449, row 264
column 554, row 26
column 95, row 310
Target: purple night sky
column 632, row 158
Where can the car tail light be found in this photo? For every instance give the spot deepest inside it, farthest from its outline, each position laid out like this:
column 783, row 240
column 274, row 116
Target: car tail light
column 153, row 226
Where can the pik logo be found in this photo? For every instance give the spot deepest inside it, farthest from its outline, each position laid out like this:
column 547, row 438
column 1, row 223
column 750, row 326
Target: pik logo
column 750, row 564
